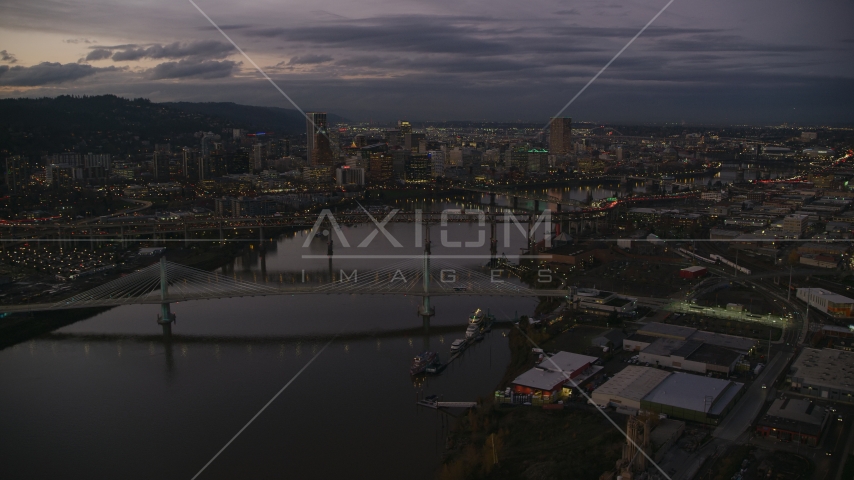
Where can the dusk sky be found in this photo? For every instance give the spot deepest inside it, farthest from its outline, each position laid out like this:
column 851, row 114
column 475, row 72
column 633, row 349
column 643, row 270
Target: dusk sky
column 723, row 61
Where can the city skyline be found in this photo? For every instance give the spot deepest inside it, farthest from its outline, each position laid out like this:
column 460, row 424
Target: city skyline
column 725, row 63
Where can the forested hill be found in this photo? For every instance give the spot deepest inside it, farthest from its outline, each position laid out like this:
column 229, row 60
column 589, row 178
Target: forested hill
column 110, row 124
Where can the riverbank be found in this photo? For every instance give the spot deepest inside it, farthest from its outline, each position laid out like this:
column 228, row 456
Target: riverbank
column 20, row 327
column 504, row 442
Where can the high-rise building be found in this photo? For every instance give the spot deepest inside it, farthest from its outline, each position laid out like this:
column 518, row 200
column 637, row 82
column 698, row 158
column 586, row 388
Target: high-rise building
column 316, row 129
column 259, row 157
column 412, row 141
column 349, row 176
column 437, row 162
column 404, row 127
column 161, row 166
column 208, row 143
column 560, row 136
column 381, row 167
column 419, row 168
column 189, row 164
column 17, row 169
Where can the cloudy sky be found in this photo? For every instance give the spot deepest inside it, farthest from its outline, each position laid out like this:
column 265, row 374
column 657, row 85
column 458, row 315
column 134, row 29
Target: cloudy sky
column 721, row 61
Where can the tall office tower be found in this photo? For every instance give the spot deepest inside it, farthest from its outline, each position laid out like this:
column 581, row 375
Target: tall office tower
column 316, row 128
column 161, row 166
column 381, row 167
column 283, row 148
column 99, row 160
column 411, row 141
column 189, row 164
column 208, row 144
column 560, row 136
column 259, row 157
column 17, row 168
column 404, row 128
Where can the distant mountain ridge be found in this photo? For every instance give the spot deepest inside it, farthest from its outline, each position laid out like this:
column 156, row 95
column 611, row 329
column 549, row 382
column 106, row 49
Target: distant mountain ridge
column 276, row 119
column 111, row 124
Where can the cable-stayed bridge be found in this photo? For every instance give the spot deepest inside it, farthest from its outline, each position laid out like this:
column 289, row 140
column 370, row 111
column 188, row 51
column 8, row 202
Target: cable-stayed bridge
column 165, row 282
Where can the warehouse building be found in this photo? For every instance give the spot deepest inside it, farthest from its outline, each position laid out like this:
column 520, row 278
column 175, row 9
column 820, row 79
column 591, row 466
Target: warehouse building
column 691, row 355
column 654, row 330
column 797, row 420
column 552, row 378
column 693, row 272
column 693, row 397
column 830, row 303
column 629, row 386
column 825, row 373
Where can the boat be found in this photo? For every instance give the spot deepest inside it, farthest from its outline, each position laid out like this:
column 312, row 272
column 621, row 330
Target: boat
column 422, row 361
column 476, row 317
column 458, row 345
column 473, row 330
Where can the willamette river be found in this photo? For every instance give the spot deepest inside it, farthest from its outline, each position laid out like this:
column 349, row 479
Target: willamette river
column 105, row 398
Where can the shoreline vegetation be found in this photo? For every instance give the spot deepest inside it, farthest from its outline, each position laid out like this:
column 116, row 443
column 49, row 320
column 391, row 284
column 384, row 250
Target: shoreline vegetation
column 509, row 442
column 500, row 442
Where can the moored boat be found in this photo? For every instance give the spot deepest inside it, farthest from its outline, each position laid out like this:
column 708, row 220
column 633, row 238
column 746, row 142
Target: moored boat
column 422, row 361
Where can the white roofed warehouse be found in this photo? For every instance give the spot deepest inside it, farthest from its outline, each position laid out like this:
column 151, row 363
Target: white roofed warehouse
column 693, row 397
column 629, row 386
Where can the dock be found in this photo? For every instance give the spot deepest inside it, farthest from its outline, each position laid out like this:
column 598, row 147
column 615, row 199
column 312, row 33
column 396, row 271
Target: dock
column 436, row 405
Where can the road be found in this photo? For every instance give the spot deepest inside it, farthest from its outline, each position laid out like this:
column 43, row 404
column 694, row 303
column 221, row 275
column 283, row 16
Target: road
column 739, row 419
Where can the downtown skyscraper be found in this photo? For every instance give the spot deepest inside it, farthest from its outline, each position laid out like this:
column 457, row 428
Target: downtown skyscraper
column 318, row 150
column 560, row 136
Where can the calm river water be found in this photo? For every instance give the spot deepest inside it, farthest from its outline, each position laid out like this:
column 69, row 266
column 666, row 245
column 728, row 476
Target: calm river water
column 106, row 398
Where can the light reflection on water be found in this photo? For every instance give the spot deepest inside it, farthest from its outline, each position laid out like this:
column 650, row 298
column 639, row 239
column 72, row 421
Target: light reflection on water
column 107, row 398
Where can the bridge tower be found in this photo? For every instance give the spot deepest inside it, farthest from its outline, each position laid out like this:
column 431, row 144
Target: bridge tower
column 425, row 310
column 166, row 317
column 493, row 245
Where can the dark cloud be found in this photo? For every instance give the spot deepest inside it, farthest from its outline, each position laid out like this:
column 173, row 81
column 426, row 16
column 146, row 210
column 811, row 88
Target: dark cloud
column 309, row 59
column 46, row 73
column 79, row 40
column 99, row 54
column 7, row 57
column 571, row 11
column 204, row 49
column 204, row 69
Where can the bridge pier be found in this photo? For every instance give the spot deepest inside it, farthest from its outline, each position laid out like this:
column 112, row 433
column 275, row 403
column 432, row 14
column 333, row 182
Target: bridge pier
column 425, row 310
column 493, row 246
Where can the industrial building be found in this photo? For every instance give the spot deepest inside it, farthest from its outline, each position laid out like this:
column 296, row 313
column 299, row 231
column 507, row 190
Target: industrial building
column 687, row 348
column 693, row 397
column 612, row 339
column 546, row 381
column 629, row 386
column 601, row 301
column 693, row 272
column 830, row 303
column 797, row 420
column 824, row 373
column 654, row 330
column 691, row 355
